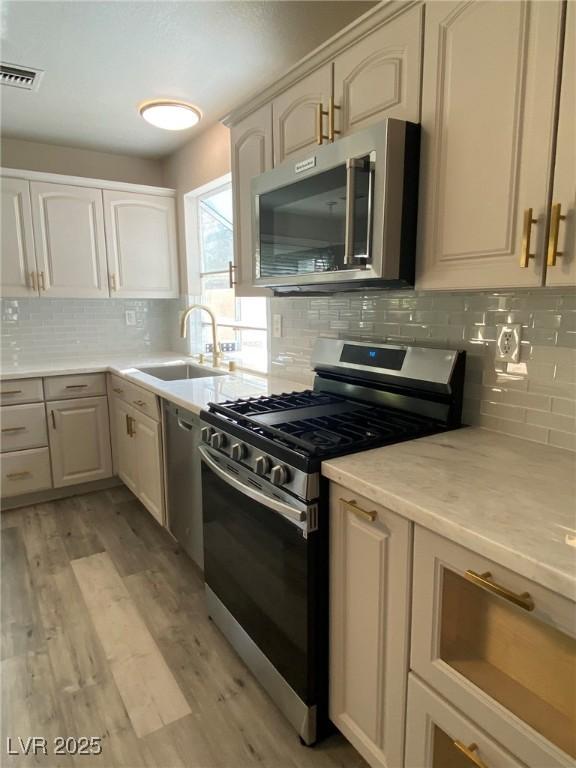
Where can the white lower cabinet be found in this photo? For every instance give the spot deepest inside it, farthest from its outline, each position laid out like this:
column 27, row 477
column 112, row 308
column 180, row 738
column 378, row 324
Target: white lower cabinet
column 25, row 472
column 138, row 455
column 79, row 432
column 499, row 647
column 369, row 609
column 438, row 736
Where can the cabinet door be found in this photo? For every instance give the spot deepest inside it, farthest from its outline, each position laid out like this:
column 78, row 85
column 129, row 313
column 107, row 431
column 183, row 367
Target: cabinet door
column 18, row 262
column 489, row 91
column 294, row 115
column 79, row 432
column 150, row 488
column 501, row 648
column 141, row 241
column 69, row 235
column 440, row 737
column 369, row 607
column 251, row 155
column 379, row 76
column 562, row 265
column 124, row 443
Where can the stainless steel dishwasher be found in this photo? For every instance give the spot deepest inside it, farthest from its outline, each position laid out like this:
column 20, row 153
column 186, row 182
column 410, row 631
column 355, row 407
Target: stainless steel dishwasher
column 183, row 475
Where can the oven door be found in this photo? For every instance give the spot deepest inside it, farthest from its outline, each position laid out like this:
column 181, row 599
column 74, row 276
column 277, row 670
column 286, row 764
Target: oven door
column 261, row 561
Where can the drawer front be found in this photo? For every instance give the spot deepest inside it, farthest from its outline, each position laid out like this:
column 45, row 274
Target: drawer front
column 23, row 426
column 21, row 391
column 441, row 737
column 500, row 647
column 141, row 399
column 81, row 385
column 25, row 472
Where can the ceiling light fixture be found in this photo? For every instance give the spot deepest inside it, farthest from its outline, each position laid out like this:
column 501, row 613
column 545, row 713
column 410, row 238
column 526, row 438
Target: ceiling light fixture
column 170, row 115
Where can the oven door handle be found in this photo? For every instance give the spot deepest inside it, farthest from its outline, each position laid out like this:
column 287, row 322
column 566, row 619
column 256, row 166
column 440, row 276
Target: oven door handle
column 294, row 515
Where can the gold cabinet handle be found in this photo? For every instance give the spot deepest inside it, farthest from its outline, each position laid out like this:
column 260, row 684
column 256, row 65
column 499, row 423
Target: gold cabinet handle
column 525, row 254
column 10, row 430
column 11, row 392
column 33, row 283
column 555, row 219
column 482, row 580
column 471, row 753
column 332, row 132
column 320, row 112
column 18, row 475
column 42, row 281
column 352, row 506
column 75, row 386
column 128, row 425
column 141, row 403
column 118, row 390
column 112, row 278
column 53, row 416
column 231, row 268
column 132, row 425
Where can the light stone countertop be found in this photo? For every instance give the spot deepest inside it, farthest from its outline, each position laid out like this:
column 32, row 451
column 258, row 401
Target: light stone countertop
column 192, row 394
column 511, row 500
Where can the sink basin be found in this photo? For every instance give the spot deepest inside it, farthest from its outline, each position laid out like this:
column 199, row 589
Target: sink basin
column 180, row 372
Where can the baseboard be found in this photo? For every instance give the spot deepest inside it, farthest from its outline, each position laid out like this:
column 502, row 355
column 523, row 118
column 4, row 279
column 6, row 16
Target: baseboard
column 53, row 494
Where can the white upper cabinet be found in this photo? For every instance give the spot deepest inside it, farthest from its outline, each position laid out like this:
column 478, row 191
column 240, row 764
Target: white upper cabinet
column 561, row 251
column 379, row 76
column 295, row 115
column 69, row 236
column 251, row 155
column 18, row 263
column 488, row 127
column 141, row 241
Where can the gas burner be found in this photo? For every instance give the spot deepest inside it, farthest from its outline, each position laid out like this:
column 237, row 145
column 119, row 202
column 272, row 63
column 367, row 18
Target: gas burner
column 321, row 439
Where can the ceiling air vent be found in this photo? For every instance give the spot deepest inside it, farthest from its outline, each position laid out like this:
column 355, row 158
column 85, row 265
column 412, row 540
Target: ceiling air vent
column 20, row 77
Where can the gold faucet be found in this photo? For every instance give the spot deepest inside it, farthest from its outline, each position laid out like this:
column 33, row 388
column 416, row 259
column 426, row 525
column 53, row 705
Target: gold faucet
column 184, row 325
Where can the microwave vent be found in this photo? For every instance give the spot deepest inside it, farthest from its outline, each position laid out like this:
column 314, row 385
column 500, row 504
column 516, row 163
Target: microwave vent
column 26, row 78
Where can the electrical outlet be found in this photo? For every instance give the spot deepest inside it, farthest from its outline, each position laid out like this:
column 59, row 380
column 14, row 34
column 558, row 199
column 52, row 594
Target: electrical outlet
column 508, row 342
column 277, row 326
column 130, row 317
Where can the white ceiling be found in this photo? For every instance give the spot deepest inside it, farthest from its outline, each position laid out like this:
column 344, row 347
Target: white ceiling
column 103, row 58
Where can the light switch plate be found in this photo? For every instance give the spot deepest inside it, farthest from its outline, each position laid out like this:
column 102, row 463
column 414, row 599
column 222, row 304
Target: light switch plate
column 277, row 326
column 508, row 342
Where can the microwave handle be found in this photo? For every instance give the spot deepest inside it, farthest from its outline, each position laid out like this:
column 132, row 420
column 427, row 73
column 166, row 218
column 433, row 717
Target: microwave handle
column 352, row 164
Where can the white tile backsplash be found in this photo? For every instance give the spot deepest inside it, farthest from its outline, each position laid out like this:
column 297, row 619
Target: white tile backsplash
column 534, row 398
column 38, row 329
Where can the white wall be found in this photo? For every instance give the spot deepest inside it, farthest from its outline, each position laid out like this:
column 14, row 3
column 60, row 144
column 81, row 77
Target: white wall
column 50, row 158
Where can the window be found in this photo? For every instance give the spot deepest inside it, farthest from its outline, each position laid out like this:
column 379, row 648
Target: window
column 241, row 321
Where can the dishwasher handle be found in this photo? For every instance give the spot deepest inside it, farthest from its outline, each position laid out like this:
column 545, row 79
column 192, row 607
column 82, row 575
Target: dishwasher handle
column 184, row 424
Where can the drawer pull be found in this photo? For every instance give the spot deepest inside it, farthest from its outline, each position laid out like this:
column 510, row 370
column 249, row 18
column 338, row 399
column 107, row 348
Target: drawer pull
column 12, row 392
column 470, row 753
column 18, row 475
column 365, row 514
column 482, row 580
column 118, row 390
column 141, row 403
column 53, row 419
column 76, row 386
column 8, row 430
column 42, row 281
column 525, row 254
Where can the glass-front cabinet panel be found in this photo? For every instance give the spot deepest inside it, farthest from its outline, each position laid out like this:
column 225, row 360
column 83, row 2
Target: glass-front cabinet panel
column 523, row 663
column 304, row 226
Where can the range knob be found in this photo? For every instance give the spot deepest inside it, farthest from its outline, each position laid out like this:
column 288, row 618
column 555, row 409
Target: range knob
column 205, row 433
column 262, row 465
column 279, row 474
column 238, row 451
column 218, row 440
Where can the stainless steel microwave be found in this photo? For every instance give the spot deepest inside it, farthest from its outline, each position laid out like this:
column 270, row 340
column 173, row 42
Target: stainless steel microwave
column 343, row 218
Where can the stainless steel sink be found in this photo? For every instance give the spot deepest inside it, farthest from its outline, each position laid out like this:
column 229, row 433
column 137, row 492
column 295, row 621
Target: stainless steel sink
column 180, row 372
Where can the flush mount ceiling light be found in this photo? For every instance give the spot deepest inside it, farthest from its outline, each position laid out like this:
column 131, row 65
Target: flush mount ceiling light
column 170, row 115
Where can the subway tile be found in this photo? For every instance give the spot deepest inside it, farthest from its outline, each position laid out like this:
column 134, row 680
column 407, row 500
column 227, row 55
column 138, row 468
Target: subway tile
column 562, row 439
column 551, row 420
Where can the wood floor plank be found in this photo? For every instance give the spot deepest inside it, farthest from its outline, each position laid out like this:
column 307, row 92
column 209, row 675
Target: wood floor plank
column 30, row 708
column 148, row 689
column 21, row 630
column 78, row 529
column 43, row 540
column 126, row 550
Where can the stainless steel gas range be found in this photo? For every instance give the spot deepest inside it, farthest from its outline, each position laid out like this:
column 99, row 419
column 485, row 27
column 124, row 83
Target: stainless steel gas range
column 265, row 504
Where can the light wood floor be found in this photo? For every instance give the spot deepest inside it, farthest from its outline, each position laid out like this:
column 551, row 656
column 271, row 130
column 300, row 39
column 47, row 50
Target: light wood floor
column 105, row 633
